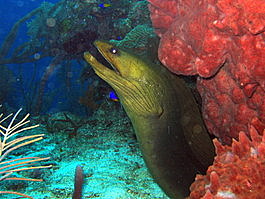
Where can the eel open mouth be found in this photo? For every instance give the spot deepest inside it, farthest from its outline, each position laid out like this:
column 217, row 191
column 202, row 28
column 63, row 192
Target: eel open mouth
column 99, row 67
column 110, row 75
column 106, row 51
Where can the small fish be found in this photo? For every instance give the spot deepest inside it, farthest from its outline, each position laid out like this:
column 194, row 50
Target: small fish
column 113, row 96
column 104, row 5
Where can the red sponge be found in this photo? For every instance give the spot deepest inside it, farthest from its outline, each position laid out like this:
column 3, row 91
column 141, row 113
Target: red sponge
column 238, row 171
column 223, row 42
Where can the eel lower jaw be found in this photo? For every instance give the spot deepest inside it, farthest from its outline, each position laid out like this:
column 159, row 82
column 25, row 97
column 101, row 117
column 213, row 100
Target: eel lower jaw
column 116, row 70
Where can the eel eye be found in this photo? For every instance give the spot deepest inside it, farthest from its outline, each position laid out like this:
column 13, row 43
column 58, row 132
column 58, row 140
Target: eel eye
column 114, row 51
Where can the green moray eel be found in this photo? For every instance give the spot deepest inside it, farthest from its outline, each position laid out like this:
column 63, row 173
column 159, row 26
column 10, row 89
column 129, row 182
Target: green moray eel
column 166, row 119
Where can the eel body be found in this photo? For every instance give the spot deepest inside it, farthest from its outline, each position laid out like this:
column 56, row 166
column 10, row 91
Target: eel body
column 166, row 119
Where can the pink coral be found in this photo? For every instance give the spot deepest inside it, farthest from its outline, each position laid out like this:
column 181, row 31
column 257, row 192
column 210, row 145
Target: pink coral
column 222, row 41
column 238, row 171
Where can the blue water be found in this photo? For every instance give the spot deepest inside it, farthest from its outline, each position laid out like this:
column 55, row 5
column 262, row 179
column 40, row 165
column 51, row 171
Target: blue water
column 10, row 12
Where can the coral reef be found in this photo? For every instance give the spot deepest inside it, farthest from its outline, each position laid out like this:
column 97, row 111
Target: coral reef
column 104, row 146
column 137, row 39
column 53, row 27
column 63, row 31
column 138, row 14
column 238, row 171
column 222, row 41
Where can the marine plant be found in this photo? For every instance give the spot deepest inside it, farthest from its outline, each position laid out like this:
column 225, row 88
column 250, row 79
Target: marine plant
column 11, row 140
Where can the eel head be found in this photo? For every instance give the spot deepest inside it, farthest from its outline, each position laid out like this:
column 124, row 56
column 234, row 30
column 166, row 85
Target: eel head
column 134, row 82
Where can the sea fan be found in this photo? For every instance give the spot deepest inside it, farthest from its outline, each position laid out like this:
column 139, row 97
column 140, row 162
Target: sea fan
column 11, row 140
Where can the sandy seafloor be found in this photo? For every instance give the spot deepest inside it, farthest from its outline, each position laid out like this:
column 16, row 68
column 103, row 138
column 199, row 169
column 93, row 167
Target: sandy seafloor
column 104, row 145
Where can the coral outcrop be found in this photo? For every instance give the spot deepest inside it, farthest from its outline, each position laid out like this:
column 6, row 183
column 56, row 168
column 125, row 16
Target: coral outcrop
column 223, row 42
column 238, row 171
column 137, row 39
